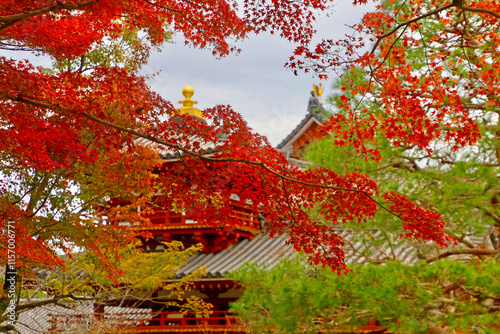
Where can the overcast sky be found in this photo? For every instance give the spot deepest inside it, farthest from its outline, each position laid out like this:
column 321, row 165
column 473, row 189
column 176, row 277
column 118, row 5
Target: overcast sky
column 255, row 83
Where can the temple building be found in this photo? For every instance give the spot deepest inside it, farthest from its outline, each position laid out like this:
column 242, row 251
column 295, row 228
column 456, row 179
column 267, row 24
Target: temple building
column 295, row 143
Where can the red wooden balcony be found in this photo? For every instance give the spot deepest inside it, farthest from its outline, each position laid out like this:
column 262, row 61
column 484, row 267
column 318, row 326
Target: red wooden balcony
column 167, row 225
column 165, row 219
column 176, row 322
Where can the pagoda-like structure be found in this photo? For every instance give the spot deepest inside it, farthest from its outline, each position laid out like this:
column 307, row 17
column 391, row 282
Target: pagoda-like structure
column 167, row 225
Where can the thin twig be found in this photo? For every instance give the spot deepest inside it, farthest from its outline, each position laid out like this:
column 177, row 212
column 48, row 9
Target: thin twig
column 406, row 23
column 295, row 223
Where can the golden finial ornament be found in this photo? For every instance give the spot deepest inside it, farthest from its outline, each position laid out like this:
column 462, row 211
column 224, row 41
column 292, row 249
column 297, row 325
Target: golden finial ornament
column 318, row 90
column 187, row 103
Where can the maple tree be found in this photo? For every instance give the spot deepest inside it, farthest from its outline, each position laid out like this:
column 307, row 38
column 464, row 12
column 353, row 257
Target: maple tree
column 446, row 290
column 51, row 138
column 427, row 89
column 69, row 136
column 433, row 98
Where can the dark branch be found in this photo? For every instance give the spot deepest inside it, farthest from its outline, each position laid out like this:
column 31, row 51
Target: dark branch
column 475, row 251
column 479, row 10
column 406, row 23
column 12, row 19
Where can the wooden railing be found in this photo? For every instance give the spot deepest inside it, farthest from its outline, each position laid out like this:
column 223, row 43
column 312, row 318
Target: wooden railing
column 148, row 322
column 169, row 218
column 165, row 217
column 177, row 322
column 219, row 321
column 247, row 219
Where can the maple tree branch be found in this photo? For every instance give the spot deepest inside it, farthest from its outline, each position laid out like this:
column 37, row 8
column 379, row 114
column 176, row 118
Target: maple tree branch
column 372, row 70
column 177, row 147
column 427, row 60
column 249, row 162
column 406, row 23
column 208, row 9
column 456, row 3
column 47, row 189
column 295, row 221
column 24, row 194
column 163, row 7
column 54, row 300
column 186, row 165
column 478, row 10
column 182, row 13
column 184, row 16
column 13, row 19
column 8, row 24
column 191, row 153
column 187, row 1
column 475, row 251
column 196, row 27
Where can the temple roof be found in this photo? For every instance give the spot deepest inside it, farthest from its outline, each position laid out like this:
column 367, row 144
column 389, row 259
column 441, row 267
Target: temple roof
column 76, row 320
column 315, row 115
column 360, row 247
column 261, row 249
column 267, row 252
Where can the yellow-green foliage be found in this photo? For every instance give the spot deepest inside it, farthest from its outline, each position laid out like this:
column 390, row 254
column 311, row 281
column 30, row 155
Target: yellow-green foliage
column 140, row 273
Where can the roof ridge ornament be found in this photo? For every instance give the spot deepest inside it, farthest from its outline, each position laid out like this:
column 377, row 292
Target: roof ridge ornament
column 315, row 99
column 318, row 90
column 187, row 104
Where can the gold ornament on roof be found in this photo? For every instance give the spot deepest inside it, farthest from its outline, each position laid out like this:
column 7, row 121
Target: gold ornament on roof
column 187, row 103
column 318, row 90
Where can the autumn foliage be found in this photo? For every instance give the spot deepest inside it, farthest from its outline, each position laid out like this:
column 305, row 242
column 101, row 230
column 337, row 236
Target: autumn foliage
column 433, row 99
column 69, row 137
